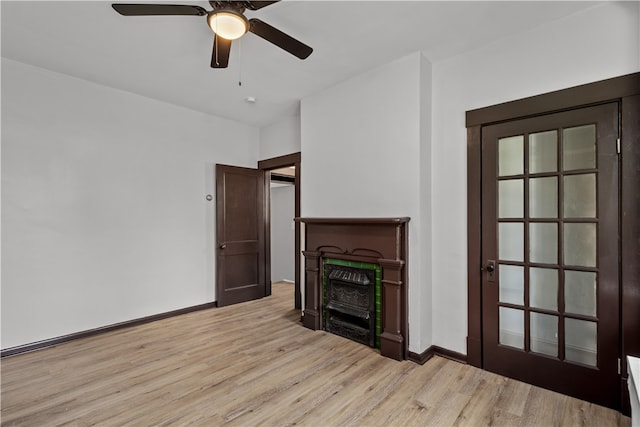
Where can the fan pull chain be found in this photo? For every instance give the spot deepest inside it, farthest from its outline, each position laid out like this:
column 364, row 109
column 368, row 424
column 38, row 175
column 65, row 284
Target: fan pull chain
column 240, row 62
column 215, row 41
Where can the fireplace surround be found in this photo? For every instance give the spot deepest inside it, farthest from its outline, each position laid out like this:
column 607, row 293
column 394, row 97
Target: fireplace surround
column 379, row 241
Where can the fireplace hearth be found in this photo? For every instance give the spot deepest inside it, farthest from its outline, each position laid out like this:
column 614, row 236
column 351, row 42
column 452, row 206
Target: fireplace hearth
column 378, row 241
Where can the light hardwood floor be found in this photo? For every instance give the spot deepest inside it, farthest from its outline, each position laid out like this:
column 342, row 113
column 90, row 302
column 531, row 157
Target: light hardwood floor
column 254, row 364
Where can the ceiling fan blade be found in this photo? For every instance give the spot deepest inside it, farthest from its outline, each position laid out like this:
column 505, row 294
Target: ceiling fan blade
column 130, row 9
column 255, row 5
column 280, row 39
column 221, row 51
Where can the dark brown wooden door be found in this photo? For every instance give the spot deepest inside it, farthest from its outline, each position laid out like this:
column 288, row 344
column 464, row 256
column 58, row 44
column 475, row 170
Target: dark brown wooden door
column 550, row 251
column 240, row 235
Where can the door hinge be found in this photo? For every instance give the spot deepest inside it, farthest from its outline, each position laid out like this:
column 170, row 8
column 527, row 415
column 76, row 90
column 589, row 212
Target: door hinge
column 619, row 366
column 618, row 146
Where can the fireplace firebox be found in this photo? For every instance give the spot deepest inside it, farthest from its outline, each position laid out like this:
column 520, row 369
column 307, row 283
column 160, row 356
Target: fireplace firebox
column 351, row 294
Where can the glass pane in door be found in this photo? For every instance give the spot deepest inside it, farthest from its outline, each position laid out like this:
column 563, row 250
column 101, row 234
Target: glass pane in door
column 511, row 327
column 543, row 288
column 580, row 244
column 543, row 242
column 511, row 198
column 544, row 334
column 579, row 147
column 511, row 156
column 511, row 278
column 581, row 342
column 511, row 241
column 543, row 197
column 580, row 292
column 543, row 152
column 580, row 196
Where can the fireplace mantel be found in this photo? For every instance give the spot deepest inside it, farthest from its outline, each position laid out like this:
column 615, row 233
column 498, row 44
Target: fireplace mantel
column 376, row 240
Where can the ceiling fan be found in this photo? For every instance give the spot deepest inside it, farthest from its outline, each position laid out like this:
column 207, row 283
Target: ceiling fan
column 228, row 23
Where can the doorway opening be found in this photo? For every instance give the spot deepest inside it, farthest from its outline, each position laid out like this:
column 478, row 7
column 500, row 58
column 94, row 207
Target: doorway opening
column 281, row 205
column 282, row 202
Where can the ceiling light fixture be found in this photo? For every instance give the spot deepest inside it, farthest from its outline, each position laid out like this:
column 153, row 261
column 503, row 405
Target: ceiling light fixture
column 228, row 23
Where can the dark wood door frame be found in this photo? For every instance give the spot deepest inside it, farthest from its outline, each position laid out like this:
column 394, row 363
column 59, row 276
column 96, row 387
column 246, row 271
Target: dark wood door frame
column 625, row 90
column 267, row 166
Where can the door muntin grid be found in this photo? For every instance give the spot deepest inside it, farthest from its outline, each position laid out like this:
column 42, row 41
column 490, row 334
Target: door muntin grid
column 547, row 238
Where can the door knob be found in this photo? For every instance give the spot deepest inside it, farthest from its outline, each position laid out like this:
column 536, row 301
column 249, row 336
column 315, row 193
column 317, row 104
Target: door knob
column 491, row 267
column 223, row 246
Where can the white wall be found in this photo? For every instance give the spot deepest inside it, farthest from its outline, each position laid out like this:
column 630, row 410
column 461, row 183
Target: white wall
column 599, row 43
column 103, row 194
column 282, row 233
column 104, row 217
column 361, row 151
column 425, row 303
column 280, row 138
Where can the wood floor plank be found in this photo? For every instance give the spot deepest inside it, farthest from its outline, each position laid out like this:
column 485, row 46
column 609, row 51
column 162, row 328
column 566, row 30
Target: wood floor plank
column 513, row 398
column 254, row 364
column 402, row 400
column 479, row 409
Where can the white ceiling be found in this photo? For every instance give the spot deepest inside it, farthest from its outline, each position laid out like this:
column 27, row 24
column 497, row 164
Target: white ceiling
column 167, row 57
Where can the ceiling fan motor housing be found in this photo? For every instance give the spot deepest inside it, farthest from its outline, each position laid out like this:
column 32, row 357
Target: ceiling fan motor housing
column 228, row 22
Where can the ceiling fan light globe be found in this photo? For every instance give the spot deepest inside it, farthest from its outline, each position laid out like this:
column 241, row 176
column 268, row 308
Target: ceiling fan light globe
column 228, row 25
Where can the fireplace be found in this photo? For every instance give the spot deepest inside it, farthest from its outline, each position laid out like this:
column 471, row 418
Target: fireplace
column 351, row 296
column 381, row 242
